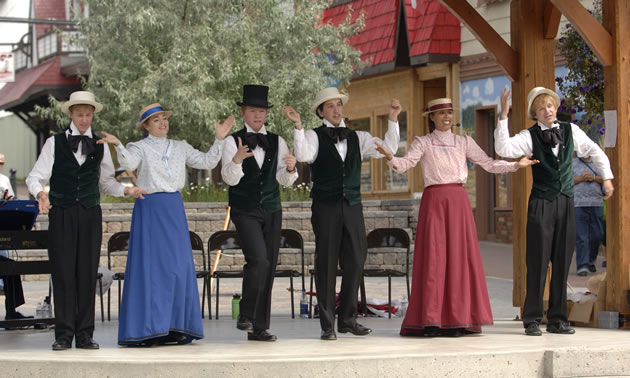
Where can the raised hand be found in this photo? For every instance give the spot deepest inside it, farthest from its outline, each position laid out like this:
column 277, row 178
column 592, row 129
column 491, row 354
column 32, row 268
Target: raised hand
column 526, row 161
column 222, row 129
column 382, row 149
column 290, row 161
column 292, row 116
column 394, row 110
column 108, row 138
column 135, row 192
column 242, row 153
column 505, row 102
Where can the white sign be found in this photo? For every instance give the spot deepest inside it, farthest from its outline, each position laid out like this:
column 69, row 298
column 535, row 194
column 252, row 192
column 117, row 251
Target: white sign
column 7, row 67
column 610, row 136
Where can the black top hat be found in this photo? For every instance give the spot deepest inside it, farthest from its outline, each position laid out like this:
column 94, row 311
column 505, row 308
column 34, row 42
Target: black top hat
column 255, row 95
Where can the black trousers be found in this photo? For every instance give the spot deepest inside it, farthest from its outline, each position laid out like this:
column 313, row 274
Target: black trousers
column 339, row 237
column 550, row 237
column 259, row 232
column 14, row 294
column 74, row 248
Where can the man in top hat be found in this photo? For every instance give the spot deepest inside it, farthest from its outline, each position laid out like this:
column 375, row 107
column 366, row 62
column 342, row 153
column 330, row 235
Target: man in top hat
column 254, row 162
column 76, row 167
column 335, row 153
column 550, row 212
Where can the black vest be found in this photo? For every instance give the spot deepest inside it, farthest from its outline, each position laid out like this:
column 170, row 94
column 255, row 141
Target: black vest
column 258, row 187
column 335, row 179
column 71, row 183
column 554, row 174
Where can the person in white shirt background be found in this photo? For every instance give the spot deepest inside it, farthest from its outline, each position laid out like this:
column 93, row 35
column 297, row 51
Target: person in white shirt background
column 77, row 169
column 550, row 212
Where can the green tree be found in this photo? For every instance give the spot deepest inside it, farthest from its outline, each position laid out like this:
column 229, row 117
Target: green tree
column 193, row 56
column 583, row 87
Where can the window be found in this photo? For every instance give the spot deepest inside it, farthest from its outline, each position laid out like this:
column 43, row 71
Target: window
column 363, row 124
column 394, row 181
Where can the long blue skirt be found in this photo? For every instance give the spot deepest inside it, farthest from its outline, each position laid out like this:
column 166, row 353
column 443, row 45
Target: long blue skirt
column 160, row 292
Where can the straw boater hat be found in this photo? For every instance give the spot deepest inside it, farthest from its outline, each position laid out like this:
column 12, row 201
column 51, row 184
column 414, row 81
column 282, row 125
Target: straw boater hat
column 81, row 98
column 328, row 94
column 149, row 111
column 438, row 104
column 537, row 92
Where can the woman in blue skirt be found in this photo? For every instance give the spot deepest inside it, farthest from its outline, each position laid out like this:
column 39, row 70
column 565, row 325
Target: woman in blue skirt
column 160, row 302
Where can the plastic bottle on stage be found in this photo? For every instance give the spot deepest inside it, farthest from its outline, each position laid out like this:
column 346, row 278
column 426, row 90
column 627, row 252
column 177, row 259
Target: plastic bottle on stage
column 303, row 306
column 46, row 308
column 236, row 305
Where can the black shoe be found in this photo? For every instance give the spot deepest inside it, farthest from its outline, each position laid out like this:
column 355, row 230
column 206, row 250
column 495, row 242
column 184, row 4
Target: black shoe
column 533, row 330
column 261, row 335
column 432, row 331
column 87, row 344
column 592, row 268
column 61, row 345
column 355, row 329
column 17, row 315
column 560, row 327
column 328, row 334
column 244, row 324
column 454, row 332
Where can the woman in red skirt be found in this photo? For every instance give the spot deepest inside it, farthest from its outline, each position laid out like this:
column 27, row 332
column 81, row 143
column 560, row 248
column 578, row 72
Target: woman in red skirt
column 449, row 296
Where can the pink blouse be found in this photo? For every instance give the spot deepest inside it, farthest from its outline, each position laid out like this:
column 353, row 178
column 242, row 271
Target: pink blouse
column 443, row 155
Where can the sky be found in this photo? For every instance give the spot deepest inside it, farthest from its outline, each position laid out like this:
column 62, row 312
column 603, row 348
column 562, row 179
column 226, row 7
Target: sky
column 12, row 32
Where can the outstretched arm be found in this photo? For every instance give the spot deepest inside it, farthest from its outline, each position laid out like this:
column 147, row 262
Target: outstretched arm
column 516, row 146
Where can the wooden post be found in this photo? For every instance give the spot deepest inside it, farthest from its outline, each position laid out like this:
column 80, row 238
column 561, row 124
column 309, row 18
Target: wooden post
column 536, row 68
column 616, row 20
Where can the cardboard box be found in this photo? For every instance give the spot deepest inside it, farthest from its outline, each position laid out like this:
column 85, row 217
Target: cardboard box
column 584, row 314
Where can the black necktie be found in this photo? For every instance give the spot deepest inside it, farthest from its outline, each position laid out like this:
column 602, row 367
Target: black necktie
column 88, row 143
column 552, row 136
column 340, row 133
column 256, row 139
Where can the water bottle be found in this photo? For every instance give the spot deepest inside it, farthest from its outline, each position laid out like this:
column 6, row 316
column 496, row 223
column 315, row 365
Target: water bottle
column 236, row 305
column 46, row 309
column 303, row 306
column 39, row 310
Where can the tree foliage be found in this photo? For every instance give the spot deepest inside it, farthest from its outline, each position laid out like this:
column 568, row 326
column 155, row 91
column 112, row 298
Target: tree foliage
column 583, row 86
column 194, row 56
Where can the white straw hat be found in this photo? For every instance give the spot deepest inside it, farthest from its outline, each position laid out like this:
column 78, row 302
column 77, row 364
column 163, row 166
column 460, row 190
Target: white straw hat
column 327, row 94
column 81, row 98
column 537, row 92
column 438, row 104
column 148, row 111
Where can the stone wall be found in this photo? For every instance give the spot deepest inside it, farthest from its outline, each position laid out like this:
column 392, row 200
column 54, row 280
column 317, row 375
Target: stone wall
column 206, row 218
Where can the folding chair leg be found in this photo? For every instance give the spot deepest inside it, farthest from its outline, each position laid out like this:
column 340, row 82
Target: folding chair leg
column 203, row 299
column 389, row 294
column 310, row 299
column 100, row 288
column 292, row 302
column 109, row 304
column 217, row 308
column 209, row 293
column 363, row 297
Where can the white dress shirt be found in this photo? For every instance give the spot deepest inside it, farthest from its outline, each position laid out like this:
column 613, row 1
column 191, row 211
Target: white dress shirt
column 161, row 162
column 232, row 172
column 42, row 170
column 5, row 184
column 521, row 144
column 306, row 143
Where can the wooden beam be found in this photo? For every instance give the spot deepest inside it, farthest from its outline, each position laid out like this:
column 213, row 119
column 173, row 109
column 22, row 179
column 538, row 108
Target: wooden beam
column 593, row 33
column 616, row 19
column 551, row 19
column 504, row 54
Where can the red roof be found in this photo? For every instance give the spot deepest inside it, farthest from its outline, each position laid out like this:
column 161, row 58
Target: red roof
column 27, row 82
column 431, row 28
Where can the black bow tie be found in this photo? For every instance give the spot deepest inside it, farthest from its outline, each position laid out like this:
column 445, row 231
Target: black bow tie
column 88, row 143
column 552, row 136
column 340, row 133
column 256, row 139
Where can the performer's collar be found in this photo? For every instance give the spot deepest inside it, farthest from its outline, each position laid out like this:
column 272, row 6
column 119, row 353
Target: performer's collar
column 75, row 130
column 328, row 124
column 262, row 130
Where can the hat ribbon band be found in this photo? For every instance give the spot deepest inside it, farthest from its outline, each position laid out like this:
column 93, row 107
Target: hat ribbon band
column 148, row 113
column 440, row 106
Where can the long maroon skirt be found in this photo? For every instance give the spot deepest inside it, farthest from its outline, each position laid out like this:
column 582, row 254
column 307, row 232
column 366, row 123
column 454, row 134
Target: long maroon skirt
column 449, row 285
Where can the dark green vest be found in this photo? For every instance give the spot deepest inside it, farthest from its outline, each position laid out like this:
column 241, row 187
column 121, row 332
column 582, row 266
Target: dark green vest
column 71, row 183
column 259, row 187
column 553, row 175
column 335, row 179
